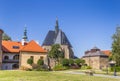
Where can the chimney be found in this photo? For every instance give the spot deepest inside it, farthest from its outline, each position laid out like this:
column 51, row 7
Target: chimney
column 1, row 32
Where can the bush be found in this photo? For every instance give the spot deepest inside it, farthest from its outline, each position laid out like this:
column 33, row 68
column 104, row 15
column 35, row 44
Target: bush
column 40, row 62
column 78, row 61
column 59, row 68
column 41, row 68
column 30, row 61
column 71, row 61
column 88, row 67
column 65, row 62
column 117, row 68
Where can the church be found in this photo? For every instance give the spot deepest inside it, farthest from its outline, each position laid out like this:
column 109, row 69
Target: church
column 57, row 36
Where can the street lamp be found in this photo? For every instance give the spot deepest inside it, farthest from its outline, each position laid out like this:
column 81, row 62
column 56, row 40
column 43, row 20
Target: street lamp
column 113, row 64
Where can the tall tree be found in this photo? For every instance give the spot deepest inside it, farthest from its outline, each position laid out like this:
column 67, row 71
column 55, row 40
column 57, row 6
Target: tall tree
column 56, row 53
column 5, row 37
column 116, row 46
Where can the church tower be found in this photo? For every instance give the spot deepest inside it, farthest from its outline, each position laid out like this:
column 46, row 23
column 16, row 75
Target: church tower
column 25, row 38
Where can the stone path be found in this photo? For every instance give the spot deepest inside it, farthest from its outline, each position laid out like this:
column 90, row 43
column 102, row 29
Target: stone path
column 99, row 75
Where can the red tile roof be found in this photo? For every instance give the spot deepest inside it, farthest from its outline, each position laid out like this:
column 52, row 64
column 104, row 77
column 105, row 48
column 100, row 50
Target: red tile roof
column 16, row 47
column 107, row 52
column 11, row 46
column 32, row 46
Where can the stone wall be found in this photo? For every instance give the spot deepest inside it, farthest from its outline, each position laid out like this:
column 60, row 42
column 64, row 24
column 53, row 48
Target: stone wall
column 104, row 62
column 24, row 56
column 96, row 62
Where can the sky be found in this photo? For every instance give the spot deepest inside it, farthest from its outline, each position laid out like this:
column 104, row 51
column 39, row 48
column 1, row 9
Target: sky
column 87, row 23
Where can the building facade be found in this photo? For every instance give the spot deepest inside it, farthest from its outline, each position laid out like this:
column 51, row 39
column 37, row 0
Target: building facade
column 15, row 54
column 96, row 58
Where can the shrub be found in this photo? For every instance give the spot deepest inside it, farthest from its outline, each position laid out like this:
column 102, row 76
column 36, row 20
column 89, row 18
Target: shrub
column 59, row 68
column 30, row 61
column 71, row 61
column 41, row 68
column 65, row 62
column 40, row 62
column 117, row 68
column 88, row 67
column 78, row 61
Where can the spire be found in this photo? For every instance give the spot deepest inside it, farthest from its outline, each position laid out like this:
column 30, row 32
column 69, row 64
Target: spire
column 25, row 34
column 56, row 26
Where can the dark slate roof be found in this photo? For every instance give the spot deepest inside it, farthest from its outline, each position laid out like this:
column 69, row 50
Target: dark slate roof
column 56, row 38
column 97, row 53
column 49, row 40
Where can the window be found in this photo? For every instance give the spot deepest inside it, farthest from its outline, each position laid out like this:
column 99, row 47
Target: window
column 32, row 57
column 16, row 47
column 15, row 66
column 6, row 58
column 41, row 57
column 16, row 57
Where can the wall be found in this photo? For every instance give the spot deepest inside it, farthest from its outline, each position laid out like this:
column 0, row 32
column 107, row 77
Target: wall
column 24, row 56
column 94, row 62
column 97, row 62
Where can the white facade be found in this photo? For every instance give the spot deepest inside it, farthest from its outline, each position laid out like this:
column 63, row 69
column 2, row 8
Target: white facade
column 10, row 61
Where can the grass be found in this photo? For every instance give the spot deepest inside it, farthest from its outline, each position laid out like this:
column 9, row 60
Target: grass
column 99, row 72
column 47, row 76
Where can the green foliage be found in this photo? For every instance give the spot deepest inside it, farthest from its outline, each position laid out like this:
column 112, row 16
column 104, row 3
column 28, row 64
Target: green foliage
column 117, row 68
column 88, row 67
column 116, row 46
column 40, row 62
column 30, row 61
column 41, row 68
column 79, row 62
column 5, row 37
column 65, row 62
column 59, row 68
column 71, row 61
column 56, row 52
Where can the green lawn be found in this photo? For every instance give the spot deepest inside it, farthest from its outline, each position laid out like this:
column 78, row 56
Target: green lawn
column 47, row 76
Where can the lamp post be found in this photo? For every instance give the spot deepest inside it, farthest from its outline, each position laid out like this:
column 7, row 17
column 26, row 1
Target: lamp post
column 113, row 64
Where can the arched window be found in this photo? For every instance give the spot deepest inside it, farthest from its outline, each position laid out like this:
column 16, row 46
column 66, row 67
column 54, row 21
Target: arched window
column 15, row 66
column 16, row 57
column 6, row 58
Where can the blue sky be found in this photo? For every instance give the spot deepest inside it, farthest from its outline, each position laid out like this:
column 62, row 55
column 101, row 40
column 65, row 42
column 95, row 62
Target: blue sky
column 87, row 23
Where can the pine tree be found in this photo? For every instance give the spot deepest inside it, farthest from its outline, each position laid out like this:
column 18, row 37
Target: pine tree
column 116, row 46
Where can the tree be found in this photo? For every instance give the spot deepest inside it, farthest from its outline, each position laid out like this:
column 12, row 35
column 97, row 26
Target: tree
column 5, row 37
column 30, row 61
column 56, row 53
column 40, row 62
column 116, row 47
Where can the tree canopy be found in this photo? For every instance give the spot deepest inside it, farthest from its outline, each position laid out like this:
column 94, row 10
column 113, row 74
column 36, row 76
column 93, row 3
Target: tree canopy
column 116, row 47
column 56, row 52
column 5, row 37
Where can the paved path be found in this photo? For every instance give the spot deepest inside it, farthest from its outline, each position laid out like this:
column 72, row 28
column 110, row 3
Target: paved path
column 99, row 75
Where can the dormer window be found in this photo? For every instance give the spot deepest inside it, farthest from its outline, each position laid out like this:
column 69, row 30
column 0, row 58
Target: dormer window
column 16, row 47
